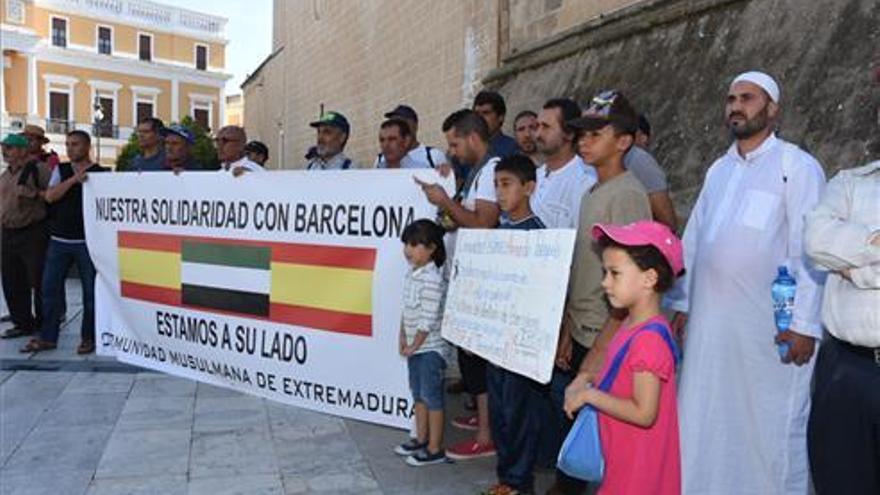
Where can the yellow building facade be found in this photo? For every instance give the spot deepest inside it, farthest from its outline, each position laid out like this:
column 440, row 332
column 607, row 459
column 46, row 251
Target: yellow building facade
column 103, row 65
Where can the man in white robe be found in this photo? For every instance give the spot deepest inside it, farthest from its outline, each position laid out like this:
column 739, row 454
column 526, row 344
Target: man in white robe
column 743, row 410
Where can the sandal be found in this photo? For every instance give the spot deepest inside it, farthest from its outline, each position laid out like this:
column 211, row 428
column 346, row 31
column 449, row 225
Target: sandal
column 37, row 345
column 86, row 347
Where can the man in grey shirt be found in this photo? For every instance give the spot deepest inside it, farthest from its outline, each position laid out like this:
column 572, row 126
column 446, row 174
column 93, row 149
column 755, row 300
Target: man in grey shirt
column 648, row 171
column 152, row 151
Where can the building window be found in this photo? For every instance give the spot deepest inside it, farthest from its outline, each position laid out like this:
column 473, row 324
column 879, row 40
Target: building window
column 59, row 113
column 202, row 116
column 145, row 47
column 59, row 32
column 105, row 40
column 143, row 110
column 201, row 57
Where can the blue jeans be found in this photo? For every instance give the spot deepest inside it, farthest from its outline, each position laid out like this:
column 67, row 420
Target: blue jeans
column 58, row 260
column 517, row 408
column 426, row 373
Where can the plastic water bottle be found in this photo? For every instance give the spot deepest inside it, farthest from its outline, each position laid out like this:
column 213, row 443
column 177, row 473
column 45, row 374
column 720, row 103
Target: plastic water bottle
column 784, row 288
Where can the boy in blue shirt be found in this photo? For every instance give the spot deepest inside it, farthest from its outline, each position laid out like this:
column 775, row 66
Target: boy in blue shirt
column 516, row 403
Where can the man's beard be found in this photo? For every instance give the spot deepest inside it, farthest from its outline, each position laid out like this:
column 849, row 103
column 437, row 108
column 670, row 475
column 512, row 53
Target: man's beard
column 751, row 126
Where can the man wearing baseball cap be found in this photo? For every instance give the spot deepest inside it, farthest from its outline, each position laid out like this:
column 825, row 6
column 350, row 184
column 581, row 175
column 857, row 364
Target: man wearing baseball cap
column 178, row 149
column 37, row 138
column 333, row 130
column 24, row 235
column 257, row 152
column 418, row 155
column 743, row 409
column 605, row 130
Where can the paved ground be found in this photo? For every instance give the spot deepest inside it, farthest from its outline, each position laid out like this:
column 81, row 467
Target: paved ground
column 72, row 426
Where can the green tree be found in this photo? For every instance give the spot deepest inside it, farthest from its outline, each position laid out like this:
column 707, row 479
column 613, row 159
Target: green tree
column 203, row 150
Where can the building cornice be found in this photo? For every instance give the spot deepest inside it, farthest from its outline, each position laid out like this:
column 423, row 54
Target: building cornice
column 95, row 61
column 145, row 14
column 18, row 38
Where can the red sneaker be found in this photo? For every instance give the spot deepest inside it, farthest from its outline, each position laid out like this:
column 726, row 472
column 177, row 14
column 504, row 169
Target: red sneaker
column 470, row 449
column 470, row 423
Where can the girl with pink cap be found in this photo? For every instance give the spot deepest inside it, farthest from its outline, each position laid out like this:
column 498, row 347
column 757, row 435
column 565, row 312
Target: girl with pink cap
column 636, row 398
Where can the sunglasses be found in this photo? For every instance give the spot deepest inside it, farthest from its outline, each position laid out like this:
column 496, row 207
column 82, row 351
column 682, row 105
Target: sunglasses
column 224, row 140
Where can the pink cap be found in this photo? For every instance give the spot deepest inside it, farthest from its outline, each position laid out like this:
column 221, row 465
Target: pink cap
column 645, row 233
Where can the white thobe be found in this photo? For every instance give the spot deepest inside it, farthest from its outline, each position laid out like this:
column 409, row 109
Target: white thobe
column 743, row 413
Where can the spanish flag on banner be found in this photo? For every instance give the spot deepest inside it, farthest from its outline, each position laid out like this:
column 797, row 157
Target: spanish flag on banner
column 322, row 287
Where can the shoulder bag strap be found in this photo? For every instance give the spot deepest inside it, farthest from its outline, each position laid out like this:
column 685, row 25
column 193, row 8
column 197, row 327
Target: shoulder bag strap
column 609, row 378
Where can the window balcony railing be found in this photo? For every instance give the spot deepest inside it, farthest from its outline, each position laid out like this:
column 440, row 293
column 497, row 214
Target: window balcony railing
column 59, row 126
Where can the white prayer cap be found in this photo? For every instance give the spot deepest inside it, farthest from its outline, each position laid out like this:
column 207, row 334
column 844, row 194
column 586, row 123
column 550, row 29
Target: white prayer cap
column 762, row 80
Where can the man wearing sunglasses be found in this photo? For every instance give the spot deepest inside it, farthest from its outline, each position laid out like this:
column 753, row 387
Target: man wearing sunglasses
column 230, row 142
column 742, row 408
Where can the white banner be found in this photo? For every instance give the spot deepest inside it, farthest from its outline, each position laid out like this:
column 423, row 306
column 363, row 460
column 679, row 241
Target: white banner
column 285, row 285
column 506, row 296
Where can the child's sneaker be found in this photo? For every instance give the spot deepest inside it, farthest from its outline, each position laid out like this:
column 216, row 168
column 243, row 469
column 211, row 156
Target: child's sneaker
column 470, row 423
column 425, row 458
column 470, row 449
column 410, row 447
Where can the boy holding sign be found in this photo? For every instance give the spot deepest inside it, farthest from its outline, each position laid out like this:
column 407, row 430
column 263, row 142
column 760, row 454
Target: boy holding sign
column 516, row 403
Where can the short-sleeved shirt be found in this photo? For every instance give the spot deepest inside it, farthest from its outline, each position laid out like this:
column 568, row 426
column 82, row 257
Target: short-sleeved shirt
column 502, row 146
column 20, row 202
column 417, row 157
column 643, row 165
column 620, row 200
column 531, row 222
column 242, row 162
column 637, row 457
column 483, row 187
column 558, row 193
column 424, row 293
column 155, row 163
column 337, row 162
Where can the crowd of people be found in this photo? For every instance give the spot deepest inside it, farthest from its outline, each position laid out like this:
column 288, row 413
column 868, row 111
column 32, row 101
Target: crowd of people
column 700, row 403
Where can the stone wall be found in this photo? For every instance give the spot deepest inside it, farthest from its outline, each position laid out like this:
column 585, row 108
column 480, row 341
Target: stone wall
column 363, row 58
column 532, row 21
column 675, row 59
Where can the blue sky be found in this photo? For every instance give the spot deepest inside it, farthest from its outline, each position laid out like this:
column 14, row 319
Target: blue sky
column 249, row 31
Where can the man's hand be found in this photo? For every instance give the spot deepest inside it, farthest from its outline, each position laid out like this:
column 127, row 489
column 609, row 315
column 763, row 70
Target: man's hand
column 564, row 346
column 435, row 193
column 801, row 347
column 238, row 171
column 678, row 323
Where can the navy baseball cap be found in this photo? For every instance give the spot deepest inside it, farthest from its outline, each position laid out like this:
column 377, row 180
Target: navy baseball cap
column 333, row 119
column 181, row 131
column 257, row 147
column 403, row 112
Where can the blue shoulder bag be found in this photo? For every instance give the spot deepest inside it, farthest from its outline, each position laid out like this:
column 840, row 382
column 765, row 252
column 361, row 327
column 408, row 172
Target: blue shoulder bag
column 581, row 453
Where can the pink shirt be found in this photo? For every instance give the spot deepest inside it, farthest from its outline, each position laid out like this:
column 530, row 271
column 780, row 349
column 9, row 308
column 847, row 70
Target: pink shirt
column 642, row 460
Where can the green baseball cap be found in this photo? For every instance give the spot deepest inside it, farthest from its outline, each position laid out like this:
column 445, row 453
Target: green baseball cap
column 15, row 141
column 333, row 119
